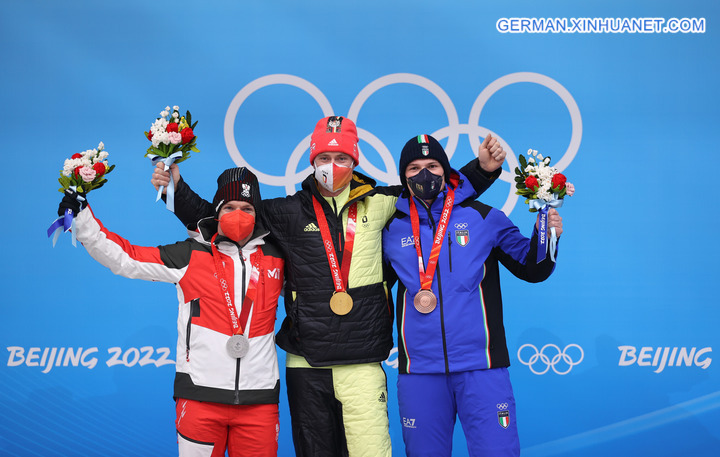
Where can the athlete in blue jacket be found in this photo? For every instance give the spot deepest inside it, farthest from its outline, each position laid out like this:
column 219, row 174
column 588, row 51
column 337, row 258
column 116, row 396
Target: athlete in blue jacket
column 446, row 248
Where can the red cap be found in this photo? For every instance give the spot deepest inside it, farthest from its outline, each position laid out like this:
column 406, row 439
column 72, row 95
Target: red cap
column 334, row 134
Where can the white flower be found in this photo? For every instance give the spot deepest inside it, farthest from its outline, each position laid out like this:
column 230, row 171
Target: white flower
column 175, row 115
column 163, row 114
column 545, row 173
column 547, row 160
column 102, row 155
column 531, row 160
column 167, row 108
column 101, row 146
column 539, row 156
column 176, row 108
column 544, row 195
column 161, row 137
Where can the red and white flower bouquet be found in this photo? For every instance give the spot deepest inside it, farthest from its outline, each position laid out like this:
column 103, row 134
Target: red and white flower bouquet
column 543, row 187
column 81, row 173
column 173, row 138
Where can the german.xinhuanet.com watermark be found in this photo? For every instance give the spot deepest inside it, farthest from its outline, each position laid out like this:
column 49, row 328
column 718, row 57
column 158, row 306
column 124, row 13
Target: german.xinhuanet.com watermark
column 600, row 25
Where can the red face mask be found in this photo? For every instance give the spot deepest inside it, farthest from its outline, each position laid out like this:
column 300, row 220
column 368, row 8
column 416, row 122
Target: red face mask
column 237, row 225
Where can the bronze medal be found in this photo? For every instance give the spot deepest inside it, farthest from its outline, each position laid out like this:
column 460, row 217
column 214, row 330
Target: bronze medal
column 425, row 301
column 341, row 303
column 238, row 346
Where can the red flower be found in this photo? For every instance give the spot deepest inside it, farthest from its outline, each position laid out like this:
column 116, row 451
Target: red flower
column 172, row 127
column 558, row 181
column 99, row 169
column 76, row 171
column 149, row 135
column 76, row 156
column 187, row 135
column 531, row 183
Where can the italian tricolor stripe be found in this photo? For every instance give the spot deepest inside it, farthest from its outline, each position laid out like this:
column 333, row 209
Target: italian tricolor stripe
column 423, row 139
column 402, row 331
column 485, row 323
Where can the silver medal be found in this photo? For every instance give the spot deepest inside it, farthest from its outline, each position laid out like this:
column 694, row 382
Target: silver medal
column 238, row 346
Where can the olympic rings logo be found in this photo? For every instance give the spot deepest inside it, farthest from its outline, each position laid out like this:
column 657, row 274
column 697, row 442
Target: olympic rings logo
column 452, row 131
column 502, row 406
column 461, row 225
column 555, row 358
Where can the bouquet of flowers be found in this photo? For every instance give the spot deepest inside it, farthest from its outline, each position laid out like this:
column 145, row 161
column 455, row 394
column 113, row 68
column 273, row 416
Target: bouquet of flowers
column 173, row 138
column 81, row 173
column 543, row 187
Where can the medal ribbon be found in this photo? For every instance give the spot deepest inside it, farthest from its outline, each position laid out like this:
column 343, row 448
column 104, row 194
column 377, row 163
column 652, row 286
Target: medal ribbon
column 238, row 327
column 543, row 207
column 167, row 161
column 340, row 274
column 65, row 222
column 426, row 275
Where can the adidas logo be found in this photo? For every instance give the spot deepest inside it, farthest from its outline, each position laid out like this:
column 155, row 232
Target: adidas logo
column 383, row 398
column 311, row 227
column 333, row 142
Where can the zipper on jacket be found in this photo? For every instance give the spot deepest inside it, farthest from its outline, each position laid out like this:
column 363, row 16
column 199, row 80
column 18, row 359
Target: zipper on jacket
column 431, row 223
column 194, row 312
column 236, row 401
column 237, row 361
column 450, row 250
column 187, row 336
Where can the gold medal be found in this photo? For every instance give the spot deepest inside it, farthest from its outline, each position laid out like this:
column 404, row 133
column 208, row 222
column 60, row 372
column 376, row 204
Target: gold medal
column 341, row 303
column 425, row 301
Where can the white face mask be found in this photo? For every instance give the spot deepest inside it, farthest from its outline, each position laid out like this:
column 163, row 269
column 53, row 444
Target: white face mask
column 333, row 177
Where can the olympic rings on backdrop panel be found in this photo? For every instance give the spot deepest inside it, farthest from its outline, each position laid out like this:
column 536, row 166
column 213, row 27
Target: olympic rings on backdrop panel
column 549, row 356
column 452, row 131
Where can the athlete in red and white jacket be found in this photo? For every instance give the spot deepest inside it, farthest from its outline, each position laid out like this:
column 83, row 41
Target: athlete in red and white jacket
column 227, row 392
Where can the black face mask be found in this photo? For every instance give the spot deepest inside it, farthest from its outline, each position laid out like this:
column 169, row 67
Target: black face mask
column 425, row 185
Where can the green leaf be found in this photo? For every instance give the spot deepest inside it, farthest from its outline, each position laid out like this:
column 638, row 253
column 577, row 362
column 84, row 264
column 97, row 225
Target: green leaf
column 523, row 162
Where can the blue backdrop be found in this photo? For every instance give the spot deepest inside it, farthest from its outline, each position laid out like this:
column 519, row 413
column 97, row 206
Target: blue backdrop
column 613, row 355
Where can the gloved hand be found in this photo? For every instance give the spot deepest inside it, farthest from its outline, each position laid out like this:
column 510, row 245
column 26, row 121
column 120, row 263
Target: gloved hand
column 73, row 200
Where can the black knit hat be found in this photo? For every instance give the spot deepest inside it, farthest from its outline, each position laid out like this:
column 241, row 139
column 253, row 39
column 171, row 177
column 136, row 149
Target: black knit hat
column 423, row 147
column 237, row 184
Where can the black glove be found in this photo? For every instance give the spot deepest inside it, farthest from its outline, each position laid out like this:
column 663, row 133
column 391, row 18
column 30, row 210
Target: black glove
column 73, row 200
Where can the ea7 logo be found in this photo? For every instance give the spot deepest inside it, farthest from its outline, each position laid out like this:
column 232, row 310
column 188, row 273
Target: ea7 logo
column 407, row 241
column 662, row 357
column 408, row 422
column 274, row 273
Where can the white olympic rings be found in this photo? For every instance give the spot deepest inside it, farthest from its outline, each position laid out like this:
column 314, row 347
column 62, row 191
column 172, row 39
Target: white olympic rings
column 551, row 362
column 452, row 132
